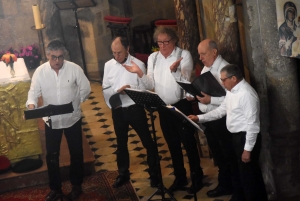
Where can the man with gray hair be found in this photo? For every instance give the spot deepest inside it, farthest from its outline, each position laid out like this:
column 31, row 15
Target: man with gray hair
column 60, row 82
column 241, row 105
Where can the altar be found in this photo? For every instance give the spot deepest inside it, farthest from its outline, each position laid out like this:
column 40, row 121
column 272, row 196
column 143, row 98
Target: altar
column 19, row 138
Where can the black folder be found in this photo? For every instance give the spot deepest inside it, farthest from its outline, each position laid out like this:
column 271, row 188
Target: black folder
column 206, row 83
column 49, row 110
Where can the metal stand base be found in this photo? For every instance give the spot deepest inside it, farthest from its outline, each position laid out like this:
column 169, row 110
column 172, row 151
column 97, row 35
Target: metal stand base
column 162, row 190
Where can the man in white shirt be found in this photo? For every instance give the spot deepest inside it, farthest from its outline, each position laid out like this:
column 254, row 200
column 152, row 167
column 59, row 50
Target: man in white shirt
column 241, row 105
column 60, row 82
column 217, row 135
column 116, row 78
column 164, row 67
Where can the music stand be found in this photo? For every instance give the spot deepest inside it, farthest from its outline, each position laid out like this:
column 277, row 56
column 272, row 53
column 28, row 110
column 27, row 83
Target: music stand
column 186, row 122
column 48, row 111
column 151, row 101
column 74, row 5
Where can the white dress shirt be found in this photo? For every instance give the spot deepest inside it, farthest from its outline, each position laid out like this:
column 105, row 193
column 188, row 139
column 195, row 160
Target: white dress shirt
column 241, row 105
column 162, row 80
column 116, row 76
column 69, row 85
column 215, row 69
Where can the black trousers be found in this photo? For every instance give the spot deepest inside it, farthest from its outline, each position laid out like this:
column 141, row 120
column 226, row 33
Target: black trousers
column 219, row 142
column 73, row 135
column 135, row 116
column 250, row 173
column 176, row 132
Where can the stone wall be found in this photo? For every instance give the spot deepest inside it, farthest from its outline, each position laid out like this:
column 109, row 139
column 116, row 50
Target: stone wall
column 16, row 20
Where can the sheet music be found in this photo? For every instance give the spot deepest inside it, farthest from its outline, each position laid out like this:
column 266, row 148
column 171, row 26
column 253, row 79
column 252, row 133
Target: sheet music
column 192, row 122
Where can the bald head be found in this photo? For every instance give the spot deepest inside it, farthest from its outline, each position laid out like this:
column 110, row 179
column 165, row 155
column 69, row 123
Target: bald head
column 208, row 51
column 120, row 49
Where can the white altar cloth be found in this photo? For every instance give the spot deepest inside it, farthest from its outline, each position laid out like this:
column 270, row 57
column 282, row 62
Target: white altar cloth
column 21, row 73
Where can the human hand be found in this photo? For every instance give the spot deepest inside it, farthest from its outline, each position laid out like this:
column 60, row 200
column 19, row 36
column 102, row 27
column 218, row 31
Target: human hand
column 122, row 88
column 246, row 156
column 31, row 106
column 133, row 69
column 175, row 65
column 205, row 99
column 194, row 118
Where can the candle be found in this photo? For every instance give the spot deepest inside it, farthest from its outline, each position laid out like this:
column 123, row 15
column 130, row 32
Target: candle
column 37, row 16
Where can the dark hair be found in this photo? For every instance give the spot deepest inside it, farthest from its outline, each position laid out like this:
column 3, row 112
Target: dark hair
column 124, row 41
column 170, row 31
column 233, row 70
column 55, row 45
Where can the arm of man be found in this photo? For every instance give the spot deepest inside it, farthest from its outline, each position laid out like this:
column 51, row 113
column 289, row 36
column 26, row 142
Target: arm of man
column 83, row 84
column 184, row 67
column 215, row 114
column 34, row 92
column 140, row 84
column 250, row 106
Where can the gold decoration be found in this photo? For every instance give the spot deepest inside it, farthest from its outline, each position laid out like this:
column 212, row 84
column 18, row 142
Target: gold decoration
column 19, row 138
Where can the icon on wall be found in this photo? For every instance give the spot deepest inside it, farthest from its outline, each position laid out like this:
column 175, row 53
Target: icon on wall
column 288, row 21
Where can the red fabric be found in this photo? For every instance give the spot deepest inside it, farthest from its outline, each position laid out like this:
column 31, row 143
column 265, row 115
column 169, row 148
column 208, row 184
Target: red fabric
column 4, row 163
column 165, row 22
column 142, row 57
column 116, row 19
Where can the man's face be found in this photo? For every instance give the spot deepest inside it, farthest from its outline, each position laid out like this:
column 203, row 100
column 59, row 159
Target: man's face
column 207, row 55
column 119, row 52
column 227, row 82
column 166, row 44
column 56, row 59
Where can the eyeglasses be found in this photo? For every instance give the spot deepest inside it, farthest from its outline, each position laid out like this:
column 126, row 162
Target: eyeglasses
column 59, row 58
column 163, row 42
column 223, row 80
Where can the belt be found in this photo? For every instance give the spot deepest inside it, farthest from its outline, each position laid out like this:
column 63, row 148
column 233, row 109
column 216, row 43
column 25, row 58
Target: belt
column 129, row 107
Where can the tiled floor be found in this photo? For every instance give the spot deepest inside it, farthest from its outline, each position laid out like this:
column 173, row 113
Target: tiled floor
column 99, row 131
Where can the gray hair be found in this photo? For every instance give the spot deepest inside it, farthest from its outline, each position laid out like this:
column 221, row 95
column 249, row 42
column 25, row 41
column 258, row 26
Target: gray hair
column 213, row 45
column 170, row 31
column 232, row 70
column 55, row 45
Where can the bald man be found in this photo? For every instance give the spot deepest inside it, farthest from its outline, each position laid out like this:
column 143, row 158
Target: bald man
column 116, row 78
column 218, row 137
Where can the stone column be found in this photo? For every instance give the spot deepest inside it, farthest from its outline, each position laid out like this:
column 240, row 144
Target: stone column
column 276, row 81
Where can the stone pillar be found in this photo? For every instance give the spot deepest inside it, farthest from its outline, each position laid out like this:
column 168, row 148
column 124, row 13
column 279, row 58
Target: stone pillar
column 188, row 32
column 276, row 81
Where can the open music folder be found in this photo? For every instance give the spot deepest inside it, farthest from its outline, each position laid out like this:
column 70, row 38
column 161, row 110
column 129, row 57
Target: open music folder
column 151, row 99
column 206, row 83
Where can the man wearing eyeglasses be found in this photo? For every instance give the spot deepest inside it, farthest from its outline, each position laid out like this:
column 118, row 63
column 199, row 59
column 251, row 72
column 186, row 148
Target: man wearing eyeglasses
column 217, row 135
column 241, row 105
column 60, row 82
column 115, row 79
column 164, row 67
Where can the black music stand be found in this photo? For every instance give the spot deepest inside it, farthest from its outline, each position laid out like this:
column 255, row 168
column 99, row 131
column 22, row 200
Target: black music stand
column 151, row 101
column 48, row 111
column 186, row 122
column 74, row 5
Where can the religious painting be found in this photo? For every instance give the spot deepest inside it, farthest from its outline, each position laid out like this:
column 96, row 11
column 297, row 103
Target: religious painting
column 288, row 21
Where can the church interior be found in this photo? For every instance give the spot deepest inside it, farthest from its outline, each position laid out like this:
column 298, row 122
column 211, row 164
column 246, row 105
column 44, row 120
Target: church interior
column 246, row 36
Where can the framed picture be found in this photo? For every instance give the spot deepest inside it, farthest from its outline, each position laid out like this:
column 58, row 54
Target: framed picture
column 288, row 21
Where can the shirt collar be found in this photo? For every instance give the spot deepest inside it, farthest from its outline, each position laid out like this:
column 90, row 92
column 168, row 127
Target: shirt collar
column 238, row 86
column 173, row 53
column 127, row 62
column 217, row 62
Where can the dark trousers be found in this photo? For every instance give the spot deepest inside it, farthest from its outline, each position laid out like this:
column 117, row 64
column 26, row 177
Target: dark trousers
column 251, row 178
column 73, row 135
column 176, row 132
column 219, row 142
column 135, row 116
